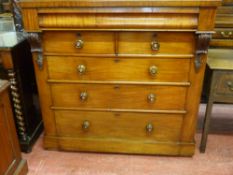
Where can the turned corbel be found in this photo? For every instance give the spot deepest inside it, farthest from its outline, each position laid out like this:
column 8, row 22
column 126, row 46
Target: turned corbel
column 202, row 44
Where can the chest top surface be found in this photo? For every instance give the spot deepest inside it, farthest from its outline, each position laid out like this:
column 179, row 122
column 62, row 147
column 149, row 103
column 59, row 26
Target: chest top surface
column 119, row 3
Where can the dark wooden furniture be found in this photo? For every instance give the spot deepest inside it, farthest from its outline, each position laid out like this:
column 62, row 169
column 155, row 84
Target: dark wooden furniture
column 120, row 76
column 220, row 68
column 17, row 66
column 11, row 162
column 223, row 38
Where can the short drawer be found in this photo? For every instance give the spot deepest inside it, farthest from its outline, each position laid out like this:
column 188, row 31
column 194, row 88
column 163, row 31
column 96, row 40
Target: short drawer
column 78, row 42
column 225, row 83
column 124, row 69
column 150, row 43
column 119, row 96
column 108, row 125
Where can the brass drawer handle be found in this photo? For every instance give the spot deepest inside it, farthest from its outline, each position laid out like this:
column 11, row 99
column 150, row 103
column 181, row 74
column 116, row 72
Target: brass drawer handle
column 153, row 70
column 83, row 96
column 86, row 125
column 81, row 69
column 149, row 127
column 151, row 98
column 230, row 85
column 79, row 44
column 155, row 45
column 226, row 34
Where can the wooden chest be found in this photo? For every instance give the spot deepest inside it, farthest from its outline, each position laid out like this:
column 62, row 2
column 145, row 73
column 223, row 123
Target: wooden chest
column 120, row 76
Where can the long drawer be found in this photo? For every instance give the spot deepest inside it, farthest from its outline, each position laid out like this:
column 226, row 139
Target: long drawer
column 108, row 125
column 119, row 96
column 144, row 43
column 124, row 69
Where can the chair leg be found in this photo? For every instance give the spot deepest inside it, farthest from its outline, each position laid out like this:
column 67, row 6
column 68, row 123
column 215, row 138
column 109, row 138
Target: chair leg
column 205, row 130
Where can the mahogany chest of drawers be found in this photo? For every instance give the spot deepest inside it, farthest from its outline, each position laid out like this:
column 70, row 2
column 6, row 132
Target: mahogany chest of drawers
column 120, row 76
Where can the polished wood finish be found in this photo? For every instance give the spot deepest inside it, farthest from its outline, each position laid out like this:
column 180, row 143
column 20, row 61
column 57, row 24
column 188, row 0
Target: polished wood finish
column 118, row 43
column 119, row 96
column 170, row 43
column 65, row 42
column 119, row 65
column 221, row 87
column 108, row 69
column 119, row 125
column 117, row 3
column 11, row 161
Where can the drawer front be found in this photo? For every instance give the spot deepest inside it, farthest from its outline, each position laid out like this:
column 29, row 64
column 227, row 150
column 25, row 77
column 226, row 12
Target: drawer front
column 156, row 43
column 223, row 34
column 119, row 96
column 129, row 43
column 158, row 127
column 125, row 69
column 225, row 83
column 78, row 42
column 118, row 18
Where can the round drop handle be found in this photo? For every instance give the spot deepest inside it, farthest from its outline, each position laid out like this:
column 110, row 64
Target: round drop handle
column 79, row 44
column 83, row 96
column 151, row 98
column 149, row 127
column 155, row 46
column 81, row 69
column 86, row 125
column 153, row 70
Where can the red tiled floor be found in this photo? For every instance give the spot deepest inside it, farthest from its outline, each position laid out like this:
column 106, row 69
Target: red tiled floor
column 218, row 159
